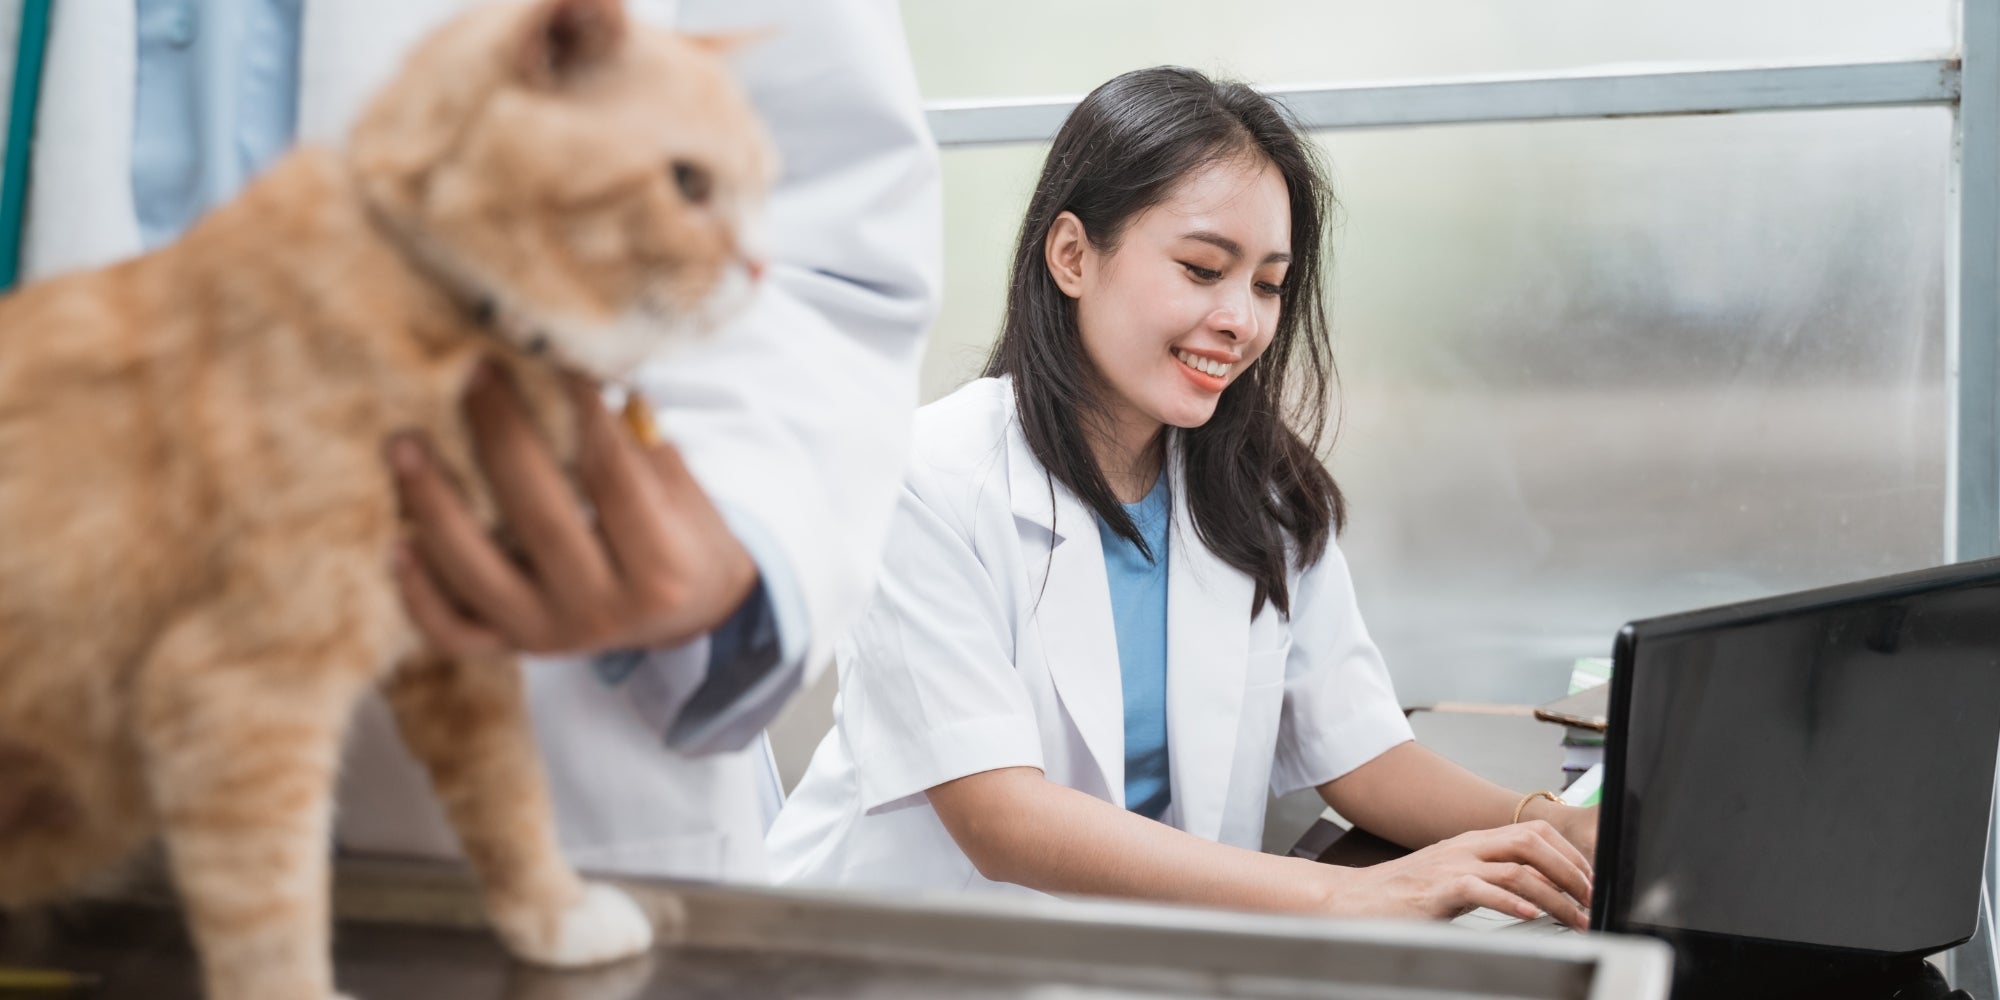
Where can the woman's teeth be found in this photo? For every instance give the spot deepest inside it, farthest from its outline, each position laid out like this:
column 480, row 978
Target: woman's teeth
column 1205, row 366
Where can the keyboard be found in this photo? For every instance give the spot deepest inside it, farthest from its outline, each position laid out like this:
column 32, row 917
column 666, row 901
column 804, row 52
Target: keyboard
column 1484, row 919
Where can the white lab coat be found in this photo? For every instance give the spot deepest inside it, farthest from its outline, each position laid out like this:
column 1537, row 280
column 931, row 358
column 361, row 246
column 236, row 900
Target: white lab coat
column 795, row 419
column 990, row 643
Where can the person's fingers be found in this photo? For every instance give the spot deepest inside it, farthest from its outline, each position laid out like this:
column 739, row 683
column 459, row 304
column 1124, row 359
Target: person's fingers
column 1566, row 850
column 1530, row 884
column 1566, row 846
column 1586, row 835
column 534, row 497
column 671, row 471
column 623, row 485
column 1538, row 844
column 1470, row 892
column 448, row 631
column 471, row 568
column 1559, row 860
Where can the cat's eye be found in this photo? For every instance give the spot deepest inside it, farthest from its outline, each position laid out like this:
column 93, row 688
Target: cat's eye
column 693, row 182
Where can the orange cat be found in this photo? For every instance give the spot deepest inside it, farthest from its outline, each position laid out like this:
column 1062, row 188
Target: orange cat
column 195, row 519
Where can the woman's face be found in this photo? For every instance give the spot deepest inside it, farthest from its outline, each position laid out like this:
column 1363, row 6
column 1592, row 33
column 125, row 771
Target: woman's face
column 1189, row 298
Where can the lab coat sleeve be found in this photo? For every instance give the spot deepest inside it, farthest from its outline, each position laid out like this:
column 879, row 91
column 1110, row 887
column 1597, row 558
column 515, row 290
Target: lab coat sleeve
column 928, row 688
column 1340, row 710
column 796, row 417
column 753, row 658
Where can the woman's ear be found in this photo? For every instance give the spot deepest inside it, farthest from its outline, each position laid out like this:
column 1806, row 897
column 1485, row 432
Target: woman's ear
column 1063, row 251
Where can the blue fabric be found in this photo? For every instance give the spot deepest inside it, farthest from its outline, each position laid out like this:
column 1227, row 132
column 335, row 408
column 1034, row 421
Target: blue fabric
column 1139, row 614
column 217, row 100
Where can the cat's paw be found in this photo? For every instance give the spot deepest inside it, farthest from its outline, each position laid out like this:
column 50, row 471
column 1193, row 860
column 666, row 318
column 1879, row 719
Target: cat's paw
column 604, row 925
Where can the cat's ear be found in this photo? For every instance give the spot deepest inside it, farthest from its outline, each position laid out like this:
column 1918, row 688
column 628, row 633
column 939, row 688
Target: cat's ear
column 730, row 43
column 565, row 37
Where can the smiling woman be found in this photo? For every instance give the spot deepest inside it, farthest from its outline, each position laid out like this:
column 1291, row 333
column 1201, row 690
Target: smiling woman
column 1058, row 685
column 1180, row 246
column 1216, row 306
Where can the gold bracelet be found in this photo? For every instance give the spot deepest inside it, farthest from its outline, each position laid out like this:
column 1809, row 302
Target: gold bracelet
column 639, row 420
column 1530, row 797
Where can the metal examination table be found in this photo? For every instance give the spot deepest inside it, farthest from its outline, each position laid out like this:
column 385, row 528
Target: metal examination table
column 411, row 932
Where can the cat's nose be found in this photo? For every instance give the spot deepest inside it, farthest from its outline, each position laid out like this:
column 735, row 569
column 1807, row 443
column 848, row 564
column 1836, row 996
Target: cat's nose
column 754, row 265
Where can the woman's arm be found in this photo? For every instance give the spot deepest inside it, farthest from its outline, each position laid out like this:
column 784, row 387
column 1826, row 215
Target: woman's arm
column 1019, row 827
column 1413, row 796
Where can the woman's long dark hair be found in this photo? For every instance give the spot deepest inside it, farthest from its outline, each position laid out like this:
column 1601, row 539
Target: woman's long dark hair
column 1254, row 479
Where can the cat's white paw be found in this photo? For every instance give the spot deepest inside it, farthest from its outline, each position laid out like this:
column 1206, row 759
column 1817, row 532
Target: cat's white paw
column 603, row 926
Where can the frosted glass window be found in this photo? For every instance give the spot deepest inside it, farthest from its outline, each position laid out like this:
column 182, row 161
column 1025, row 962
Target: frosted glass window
column 980, row 48
column 986, row 192
column 1600, row 370
column 1597, row 370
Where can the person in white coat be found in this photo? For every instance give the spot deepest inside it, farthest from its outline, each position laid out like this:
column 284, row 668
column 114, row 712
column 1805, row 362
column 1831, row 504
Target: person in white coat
column 1112, row 612
column 776, row 493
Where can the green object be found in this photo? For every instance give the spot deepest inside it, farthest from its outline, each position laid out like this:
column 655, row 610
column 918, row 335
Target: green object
column 1587, row 790
column 1588, row 672
column 14, row 979
column 23, row 105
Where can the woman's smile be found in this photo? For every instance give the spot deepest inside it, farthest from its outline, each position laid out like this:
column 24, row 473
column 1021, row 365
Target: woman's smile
column 1206, row 370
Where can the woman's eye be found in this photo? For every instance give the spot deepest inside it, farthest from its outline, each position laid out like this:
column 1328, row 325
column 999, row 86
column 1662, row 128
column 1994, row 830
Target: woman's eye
column 1202, row 273
column 1270, row 288
column 693, row 182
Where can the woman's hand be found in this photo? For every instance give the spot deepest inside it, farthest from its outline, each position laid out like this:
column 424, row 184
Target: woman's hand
column 1523, row 870
column 1578, row 826
column 654, row 567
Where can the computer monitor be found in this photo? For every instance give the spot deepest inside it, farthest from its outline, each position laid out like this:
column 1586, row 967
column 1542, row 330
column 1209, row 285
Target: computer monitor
column 1806, row 778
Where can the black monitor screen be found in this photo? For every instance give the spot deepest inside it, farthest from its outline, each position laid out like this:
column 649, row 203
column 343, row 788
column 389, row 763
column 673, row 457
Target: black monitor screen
column 1820, row 774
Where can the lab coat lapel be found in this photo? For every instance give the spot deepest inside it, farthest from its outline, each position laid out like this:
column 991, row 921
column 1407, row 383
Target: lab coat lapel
column 1072, row 607
column 1208, row 646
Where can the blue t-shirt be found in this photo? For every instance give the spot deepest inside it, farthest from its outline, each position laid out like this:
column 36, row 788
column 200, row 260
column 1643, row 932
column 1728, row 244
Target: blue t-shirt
column 1139, row 614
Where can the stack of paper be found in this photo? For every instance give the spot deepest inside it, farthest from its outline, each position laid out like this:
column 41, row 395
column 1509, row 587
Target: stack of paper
column 1582, row 716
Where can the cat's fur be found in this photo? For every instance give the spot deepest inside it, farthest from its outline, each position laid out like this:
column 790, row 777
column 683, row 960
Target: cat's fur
column 196, row 521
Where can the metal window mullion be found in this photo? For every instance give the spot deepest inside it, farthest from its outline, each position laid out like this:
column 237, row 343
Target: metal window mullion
column 1972, row 514
column 1973, row 291
column 1522, row 98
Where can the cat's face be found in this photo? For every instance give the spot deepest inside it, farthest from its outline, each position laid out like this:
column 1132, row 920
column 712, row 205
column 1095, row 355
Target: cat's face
column 591, row 180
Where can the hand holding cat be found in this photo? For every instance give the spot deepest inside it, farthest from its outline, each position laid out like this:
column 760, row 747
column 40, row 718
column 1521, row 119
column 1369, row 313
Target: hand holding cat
column 655, row 567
